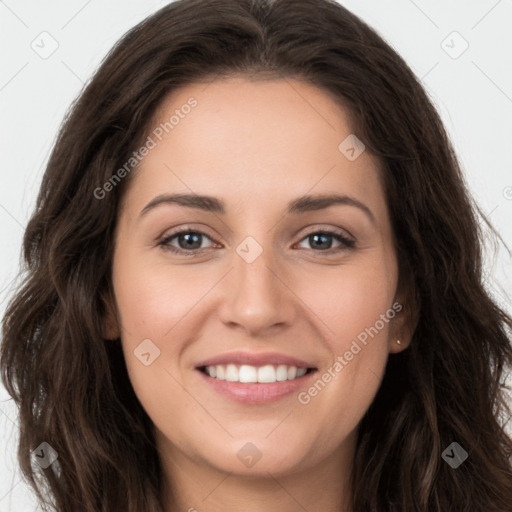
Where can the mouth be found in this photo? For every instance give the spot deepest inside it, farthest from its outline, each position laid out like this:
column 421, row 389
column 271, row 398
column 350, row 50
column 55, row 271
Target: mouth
column 255, row 385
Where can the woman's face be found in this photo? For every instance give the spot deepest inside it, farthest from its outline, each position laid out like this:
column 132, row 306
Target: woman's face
column 275, row 274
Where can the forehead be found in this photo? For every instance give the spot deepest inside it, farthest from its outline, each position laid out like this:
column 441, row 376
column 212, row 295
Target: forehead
column 273, row 139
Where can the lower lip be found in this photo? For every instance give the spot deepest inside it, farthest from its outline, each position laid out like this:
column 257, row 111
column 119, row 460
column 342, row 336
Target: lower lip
column 256, row 392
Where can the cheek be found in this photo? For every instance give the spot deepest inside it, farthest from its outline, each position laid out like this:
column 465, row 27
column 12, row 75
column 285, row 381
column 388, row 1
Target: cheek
column 354, row 305
column 152, row 298
column 351, row 298
column 152, row 305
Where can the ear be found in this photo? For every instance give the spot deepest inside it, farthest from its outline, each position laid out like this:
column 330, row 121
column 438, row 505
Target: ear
column 109, row 322
column 404, row 323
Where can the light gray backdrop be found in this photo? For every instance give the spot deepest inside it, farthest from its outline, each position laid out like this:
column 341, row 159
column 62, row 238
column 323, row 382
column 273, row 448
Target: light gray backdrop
column 462, row 51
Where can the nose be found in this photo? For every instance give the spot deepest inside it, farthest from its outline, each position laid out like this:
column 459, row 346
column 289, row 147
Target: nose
column 256, row 296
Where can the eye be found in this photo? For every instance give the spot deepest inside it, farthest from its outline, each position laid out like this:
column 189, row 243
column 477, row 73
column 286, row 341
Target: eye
column 322, row 240
column 189, row 241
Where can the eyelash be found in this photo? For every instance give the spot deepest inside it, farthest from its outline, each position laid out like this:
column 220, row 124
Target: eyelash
column 346, row 243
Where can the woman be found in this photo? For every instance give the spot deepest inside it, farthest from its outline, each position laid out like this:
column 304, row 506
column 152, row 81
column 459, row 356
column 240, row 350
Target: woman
column 257, row 369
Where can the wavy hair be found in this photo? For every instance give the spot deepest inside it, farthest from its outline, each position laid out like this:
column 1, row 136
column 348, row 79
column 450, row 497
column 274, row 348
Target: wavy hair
column 71, row 385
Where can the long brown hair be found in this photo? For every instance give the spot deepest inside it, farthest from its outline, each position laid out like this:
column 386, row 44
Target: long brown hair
column 71, row 385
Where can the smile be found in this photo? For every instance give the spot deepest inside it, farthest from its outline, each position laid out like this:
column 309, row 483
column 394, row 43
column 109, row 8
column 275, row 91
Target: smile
column 244, row 389
column 252, row 374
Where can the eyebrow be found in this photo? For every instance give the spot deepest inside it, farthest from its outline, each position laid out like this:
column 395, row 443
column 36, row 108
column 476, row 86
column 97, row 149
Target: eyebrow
column 307, row 203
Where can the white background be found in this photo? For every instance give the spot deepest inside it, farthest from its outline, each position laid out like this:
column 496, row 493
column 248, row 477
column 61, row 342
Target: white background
column 473, row 93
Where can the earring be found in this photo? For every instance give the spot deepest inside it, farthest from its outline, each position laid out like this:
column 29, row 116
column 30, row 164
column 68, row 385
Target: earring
column 398, row 341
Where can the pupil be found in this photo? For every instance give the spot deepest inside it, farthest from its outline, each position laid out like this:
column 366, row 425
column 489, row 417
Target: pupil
column 189, row 242
column 326, row 244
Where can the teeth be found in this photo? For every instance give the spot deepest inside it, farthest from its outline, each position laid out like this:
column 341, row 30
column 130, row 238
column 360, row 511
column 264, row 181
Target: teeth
column 264, row 374
column 248, row 374
column 231, row 373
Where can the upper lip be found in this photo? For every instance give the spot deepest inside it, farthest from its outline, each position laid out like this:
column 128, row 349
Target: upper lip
column 254, row 359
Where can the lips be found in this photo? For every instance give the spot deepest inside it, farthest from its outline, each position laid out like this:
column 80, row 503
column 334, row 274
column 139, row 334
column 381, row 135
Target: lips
column 252, row 378
column 255, row 359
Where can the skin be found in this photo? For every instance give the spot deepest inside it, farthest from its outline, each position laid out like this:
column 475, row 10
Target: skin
column 256, row 145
